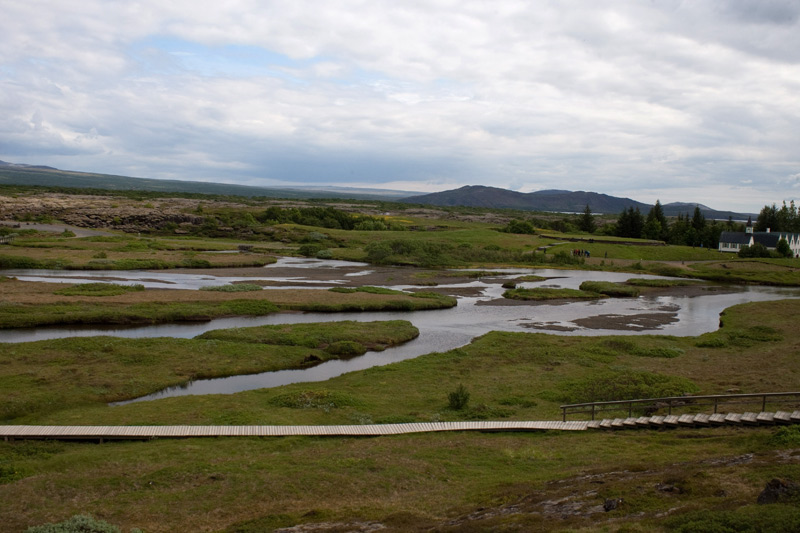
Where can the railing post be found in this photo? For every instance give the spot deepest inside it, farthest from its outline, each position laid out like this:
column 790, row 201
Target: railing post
column 630, row 409
column 669, row 407
column 716, row 402
column 593, row 406
column 564, row 414
column 763, row 403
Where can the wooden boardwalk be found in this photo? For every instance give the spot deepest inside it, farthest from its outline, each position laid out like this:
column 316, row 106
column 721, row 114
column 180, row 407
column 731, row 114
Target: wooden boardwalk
column 103, row 433
column 366, row 430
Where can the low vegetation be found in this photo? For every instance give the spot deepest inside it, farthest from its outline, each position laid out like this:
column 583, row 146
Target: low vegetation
column 607, row 288
column 98, row 289
column 666, row 480
column 372, row 335
column 234, row 287
column 675, row 480
column 30, row 304
column 539, row 294
column 97, row 370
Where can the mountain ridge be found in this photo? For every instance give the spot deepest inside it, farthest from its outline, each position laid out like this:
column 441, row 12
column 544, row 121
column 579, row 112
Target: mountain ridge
column 557, row 200
column 551, row 200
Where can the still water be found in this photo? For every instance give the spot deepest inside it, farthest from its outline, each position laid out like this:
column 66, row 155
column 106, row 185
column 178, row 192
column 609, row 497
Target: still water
column 440, row 330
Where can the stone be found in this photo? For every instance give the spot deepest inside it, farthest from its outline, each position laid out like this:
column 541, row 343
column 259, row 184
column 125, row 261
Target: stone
column 778, row 490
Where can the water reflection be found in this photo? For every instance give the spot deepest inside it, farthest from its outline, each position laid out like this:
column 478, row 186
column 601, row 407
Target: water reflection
column 440, row 330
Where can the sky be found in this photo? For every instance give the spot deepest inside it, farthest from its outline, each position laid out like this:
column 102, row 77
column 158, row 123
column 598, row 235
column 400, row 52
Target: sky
column 682, row 101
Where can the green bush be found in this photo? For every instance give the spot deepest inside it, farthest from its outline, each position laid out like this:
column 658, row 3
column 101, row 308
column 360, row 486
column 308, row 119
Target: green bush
column 775, row 518
column 346, row 349
column 76, row 524
column 459, row 398
column 787, row 436
column 309, row 250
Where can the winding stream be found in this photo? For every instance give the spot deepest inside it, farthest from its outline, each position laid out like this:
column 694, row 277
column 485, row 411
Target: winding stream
column 440, row 330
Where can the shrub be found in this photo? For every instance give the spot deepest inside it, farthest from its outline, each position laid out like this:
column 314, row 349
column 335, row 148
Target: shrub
column 774, row 518
column 459, row 398
column 787, row 436
column 346, row 349
column 76, row 524
column 309, row 250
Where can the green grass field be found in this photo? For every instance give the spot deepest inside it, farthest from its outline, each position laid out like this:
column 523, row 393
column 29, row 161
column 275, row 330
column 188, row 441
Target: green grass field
column 682, row 480
column 415, row 481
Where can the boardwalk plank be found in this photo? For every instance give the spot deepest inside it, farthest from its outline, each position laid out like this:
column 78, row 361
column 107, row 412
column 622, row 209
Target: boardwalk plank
column 765, row 418
column 671, row 420
column 733, row 418
column 749, row 418
column 717, row 418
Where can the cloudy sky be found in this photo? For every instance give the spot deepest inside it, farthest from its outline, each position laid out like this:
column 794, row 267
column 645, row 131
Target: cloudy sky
column 651, row 99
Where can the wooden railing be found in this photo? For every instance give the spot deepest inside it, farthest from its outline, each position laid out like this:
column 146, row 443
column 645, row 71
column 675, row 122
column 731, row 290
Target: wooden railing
column 669, row 402
column 6, row 239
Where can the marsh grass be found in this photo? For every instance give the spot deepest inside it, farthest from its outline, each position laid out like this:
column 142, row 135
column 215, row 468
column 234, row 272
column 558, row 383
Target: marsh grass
column 377, row 335
column 29, row 304
column 87, row 370
column 234, row 287
column 661, row 283
column 80, row 312
column 779, row 272
column 98, row 289
column 549, row 294
column 608, row 288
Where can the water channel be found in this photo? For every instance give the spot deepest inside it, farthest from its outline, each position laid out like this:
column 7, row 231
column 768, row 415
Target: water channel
column 440, row 330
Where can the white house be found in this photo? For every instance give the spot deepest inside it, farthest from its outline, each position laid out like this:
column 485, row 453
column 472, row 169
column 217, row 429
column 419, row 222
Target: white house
column 733, row 241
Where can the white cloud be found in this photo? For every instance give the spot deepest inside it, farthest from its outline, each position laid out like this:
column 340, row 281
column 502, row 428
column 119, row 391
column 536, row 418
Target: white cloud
column 621, row 97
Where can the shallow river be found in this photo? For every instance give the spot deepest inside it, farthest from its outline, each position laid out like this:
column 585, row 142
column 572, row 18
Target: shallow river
column 440, row 330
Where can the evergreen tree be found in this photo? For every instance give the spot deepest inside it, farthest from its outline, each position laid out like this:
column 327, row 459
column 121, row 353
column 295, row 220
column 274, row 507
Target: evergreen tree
column 656, row 225
column 586, row 222
column 767, row 219
column 630, row 223
column 698, row 220
column 783, row 248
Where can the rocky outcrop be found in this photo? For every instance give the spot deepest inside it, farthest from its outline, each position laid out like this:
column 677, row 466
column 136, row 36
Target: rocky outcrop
column 779, row 491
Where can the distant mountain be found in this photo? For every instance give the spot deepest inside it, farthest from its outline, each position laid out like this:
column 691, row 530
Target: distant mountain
column 552, row 200
column 558, row 201
column 677, row 208
column 20, row 174
column 548, row 200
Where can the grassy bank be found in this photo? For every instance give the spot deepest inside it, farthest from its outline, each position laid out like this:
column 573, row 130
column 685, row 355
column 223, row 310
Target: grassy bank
column 53, row 375
column 454, row 482
column 30, row 304
column 444, row 482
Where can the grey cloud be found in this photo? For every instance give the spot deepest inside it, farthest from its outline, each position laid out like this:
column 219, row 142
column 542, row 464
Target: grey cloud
column 625, row 95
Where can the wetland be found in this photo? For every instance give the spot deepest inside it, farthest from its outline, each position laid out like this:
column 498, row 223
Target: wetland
column 359, row 338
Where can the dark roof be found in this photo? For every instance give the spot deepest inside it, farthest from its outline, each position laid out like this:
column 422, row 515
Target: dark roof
column 770, row 240
column 734, row 237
